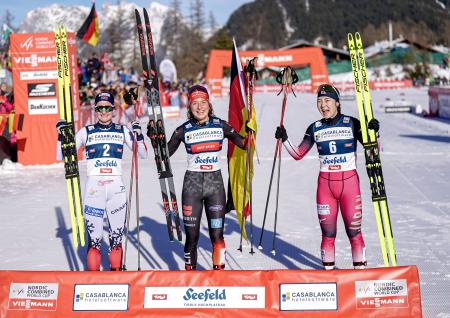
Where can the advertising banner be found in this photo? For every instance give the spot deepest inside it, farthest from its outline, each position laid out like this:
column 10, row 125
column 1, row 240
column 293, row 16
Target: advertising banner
column 373, row 292
column 33, row 59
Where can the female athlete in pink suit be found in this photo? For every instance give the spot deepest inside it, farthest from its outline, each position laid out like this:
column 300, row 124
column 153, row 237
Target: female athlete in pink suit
column 338, row 183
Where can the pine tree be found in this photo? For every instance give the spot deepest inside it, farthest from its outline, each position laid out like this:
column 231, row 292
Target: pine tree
column 212, row 22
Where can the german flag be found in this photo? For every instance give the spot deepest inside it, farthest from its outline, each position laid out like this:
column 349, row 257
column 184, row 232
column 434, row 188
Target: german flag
column 238, row 115
column 89, row 31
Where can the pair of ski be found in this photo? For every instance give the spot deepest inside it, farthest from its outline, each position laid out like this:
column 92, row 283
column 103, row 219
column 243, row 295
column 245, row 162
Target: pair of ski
column 156, row 127
column 68, row 144
column 371, row 151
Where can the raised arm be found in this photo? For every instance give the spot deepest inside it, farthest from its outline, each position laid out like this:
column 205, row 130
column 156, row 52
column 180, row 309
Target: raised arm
column 373, row 124
column 234, row 136
column 297, row 152
column 80, row 139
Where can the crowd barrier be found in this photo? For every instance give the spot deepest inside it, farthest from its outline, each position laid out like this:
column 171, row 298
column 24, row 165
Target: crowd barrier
column 374, row 292
column 341, row 86
column 439, row 101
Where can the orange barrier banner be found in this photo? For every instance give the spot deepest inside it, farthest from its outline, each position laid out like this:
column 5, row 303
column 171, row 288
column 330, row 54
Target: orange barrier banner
column 33, row 58
column 375, row 292
column 311, row 56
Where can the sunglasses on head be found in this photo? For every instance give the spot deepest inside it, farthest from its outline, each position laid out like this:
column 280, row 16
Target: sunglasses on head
column 105, row 109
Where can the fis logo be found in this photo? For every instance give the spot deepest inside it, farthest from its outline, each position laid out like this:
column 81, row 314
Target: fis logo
column 27, row 44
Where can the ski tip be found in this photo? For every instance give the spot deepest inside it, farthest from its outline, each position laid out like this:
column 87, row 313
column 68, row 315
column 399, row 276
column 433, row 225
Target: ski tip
column 273, row 252
column 357, row 36
column 350, row 36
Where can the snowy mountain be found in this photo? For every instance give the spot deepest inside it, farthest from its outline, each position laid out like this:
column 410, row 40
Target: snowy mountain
column 112, row 18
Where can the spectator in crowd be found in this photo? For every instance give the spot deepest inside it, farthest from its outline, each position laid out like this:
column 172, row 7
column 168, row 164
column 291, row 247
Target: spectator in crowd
column 94, row 68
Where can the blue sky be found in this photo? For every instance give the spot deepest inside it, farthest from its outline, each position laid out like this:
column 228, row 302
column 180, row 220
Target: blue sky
column 221, row 8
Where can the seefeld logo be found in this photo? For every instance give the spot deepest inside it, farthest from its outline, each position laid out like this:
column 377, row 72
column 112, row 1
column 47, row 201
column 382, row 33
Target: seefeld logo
column 334, row 160
column 207, row 160
column 206, row 295
column 107, row 163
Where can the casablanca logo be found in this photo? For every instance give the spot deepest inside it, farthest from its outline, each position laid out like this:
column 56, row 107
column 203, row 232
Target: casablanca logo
column 79, row 297
column 286, row 296
column 27, row 44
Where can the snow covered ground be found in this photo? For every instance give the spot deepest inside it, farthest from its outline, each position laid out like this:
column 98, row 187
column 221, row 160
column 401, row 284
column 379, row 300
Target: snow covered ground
column 35, row 223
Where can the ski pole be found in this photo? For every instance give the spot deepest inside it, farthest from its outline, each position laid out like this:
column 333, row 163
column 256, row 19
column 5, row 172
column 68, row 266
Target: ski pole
column 137, row 206
column 268, row 195
column 130, row 97
column 136, row 171
column 286, row 78
column 124, row 256
column 277, row 198
column 252, row 78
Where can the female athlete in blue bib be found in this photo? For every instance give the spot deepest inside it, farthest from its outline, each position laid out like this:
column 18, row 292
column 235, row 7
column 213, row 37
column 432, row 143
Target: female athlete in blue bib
column 105, row 193
column 336, row 137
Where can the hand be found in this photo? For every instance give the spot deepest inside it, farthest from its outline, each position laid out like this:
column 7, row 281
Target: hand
column 281, row 133
column 136, row 128
column 60, row 125
column 130, row 96
column 374, row 124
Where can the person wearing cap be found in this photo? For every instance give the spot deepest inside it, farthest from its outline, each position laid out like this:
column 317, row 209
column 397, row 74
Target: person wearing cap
column 105, row 193
column 203, row 135
column 336, row 137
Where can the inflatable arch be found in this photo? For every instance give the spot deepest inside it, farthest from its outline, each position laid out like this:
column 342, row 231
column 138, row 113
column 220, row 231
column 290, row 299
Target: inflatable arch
column 310, row 56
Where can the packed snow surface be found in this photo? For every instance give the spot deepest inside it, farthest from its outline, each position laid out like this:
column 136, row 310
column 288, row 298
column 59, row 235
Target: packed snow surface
column 36, row 229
